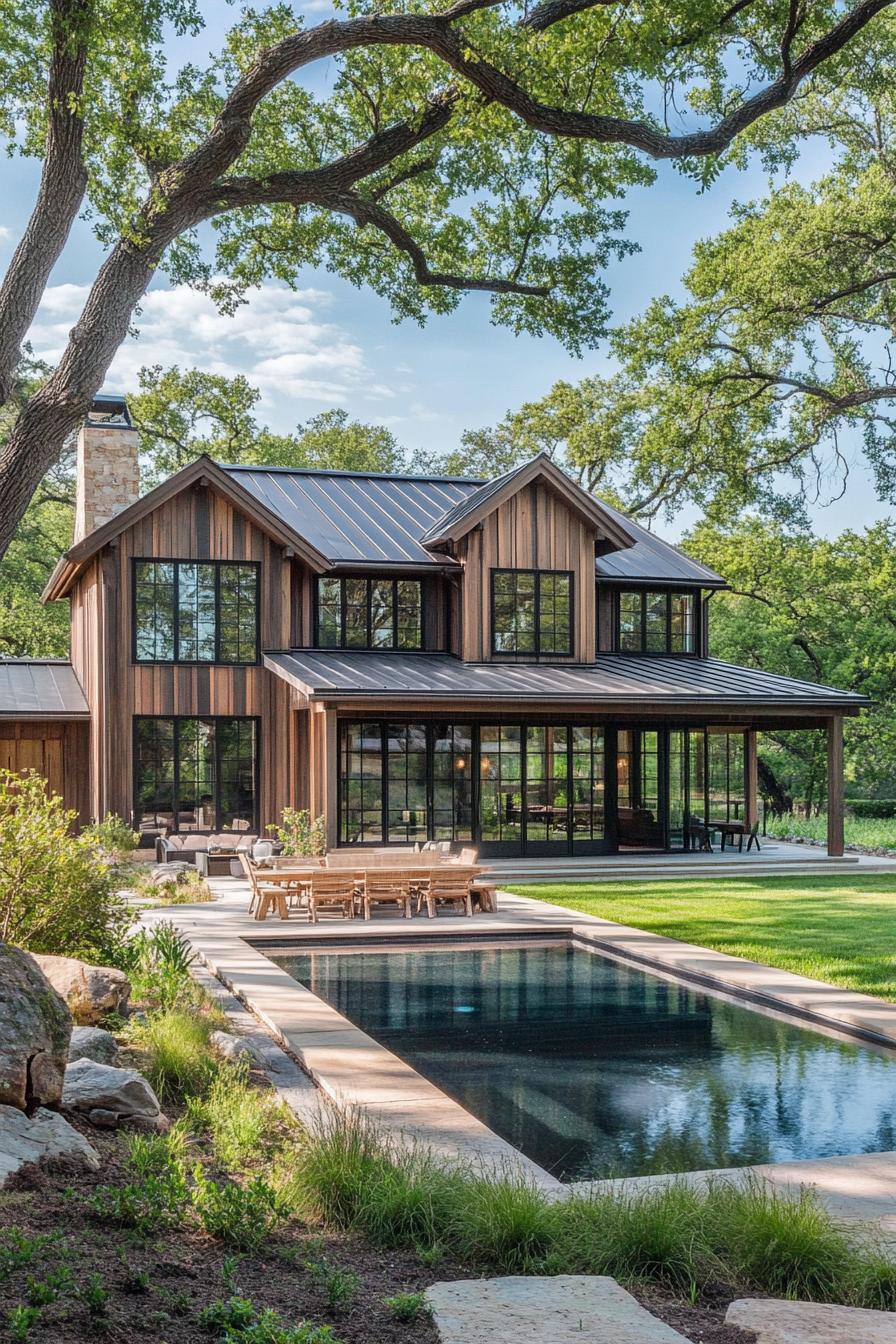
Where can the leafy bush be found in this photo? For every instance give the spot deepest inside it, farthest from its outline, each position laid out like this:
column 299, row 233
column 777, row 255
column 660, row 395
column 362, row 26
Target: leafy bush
column 186, row 886
column 243, row 1216
column 408, row 1307
column 873, row 833
column 152, row 1204
column 245, row 1124
column 238, row 1322
column 340, row 1285
column 57, row 893
column 872, row 807
column 299, row 834
column 112, row 836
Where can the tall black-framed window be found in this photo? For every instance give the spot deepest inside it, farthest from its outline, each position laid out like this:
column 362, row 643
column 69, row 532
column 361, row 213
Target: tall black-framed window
column 532, row 612
column 369, row 613
column 195, row 774
column 655, row 622
column 195, row 611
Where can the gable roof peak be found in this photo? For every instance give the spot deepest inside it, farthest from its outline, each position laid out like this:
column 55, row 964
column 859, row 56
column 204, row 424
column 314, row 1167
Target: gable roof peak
column 465, row 515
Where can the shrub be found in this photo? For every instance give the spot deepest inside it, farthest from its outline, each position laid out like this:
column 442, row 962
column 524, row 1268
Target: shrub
column 408, row 1307
column 57, row 894
column 872, row 807
column 237, row 1322
column 243, row 1216
column 339, row 1285
column 185, row 887
column 158, row 961
column 153, row 1204
column 299, row 834
column 112, row 836
column 245, row 1124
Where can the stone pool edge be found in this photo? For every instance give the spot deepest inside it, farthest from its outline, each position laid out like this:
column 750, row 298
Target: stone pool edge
column 351, row 1069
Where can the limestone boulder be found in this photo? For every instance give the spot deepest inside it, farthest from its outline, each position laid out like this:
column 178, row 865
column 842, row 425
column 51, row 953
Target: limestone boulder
column 233, row 1049
column 777, row 1322
column 122, row 1093
column 93, row 1043
column 39, row 1139
column 35, row 1027
column 91, row 992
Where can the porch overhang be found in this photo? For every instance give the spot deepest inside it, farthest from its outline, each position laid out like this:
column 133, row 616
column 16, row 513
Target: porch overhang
column 617, row 683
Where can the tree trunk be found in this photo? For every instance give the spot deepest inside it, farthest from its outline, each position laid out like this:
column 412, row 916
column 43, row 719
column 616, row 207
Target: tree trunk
column 771, row 788
column 57, row 408
column 62, row 186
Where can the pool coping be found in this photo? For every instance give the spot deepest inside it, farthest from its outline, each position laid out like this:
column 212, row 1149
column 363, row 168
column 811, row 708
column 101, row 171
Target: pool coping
column 353, row 1070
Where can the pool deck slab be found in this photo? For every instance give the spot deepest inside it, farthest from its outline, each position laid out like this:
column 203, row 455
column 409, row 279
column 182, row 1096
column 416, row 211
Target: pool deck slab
column 353, row 1069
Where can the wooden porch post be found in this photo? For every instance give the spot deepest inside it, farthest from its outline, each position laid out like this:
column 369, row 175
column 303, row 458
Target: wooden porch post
column 835, row 785
column 751, row 789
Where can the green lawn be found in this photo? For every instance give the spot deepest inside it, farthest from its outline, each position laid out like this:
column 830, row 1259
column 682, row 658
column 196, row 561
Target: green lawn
column 839, row 929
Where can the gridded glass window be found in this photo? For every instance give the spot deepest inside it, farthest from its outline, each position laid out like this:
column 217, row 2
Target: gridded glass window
column 406, row 782
column 188, row 611
column 237, row 613
column 547, row 783
column 154, row 602
column 361, row 782
column 725, row 755
column 655, row 622
column 587, row 783
column 193, row 774
column 452, row 781
column 531, row 612
column 329, row 613
column 361, row 613
column 501, row 783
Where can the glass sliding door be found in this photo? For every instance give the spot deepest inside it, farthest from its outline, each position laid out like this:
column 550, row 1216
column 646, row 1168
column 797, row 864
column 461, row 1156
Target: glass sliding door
column 501, row 787
column 640, row 791
column 588, row 789
column 676, row 828
column 547, row 789
column 452, row 781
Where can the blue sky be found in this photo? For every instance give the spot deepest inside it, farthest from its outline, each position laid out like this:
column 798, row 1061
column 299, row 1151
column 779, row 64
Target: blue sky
column 332, row 345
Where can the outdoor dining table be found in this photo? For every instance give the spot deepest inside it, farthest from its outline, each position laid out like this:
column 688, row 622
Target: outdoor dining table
column 283, row 877
column 280, row 875
column 728, row 829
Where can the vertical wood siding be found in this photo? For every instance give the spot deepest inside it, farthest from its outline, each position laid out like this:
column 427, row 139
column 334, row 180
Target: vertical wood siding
column 55, row 749
column 533, row 530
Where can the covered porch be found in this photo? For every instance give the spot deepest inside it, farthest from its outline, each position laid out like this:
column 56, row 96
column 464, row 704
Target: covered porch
column 627, row 757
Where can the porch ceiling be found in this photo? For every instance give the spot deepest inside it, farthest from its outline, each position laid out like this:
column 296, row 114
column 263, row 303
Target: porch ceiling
column 654, row 682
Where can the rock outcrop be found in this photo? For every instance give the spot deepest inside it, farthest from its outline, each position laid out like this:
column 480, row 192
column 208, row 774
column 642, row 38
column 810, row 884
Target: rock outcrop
column 35, row 1027
column 110, row 1097
column 91, row 992
column 39, row 1139
column 93, row 1043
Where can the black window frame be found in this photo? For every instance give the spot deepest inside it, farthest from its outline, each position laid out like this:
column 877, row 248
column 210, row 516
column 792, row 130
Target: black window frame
column 218, row 565
column 370, row 580
column 667, row 594
column 538, row 652
column 177, row 720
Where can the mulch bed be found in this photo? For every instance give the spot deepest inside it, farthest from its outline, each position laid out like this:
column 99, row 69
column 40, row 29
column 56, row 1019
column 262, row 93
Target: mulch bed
column 157, row 1286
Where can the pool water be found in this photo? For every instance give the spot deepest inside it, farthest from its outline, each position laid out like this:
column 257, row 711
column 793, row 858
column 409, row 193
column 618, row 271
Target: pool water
column 594, row 1069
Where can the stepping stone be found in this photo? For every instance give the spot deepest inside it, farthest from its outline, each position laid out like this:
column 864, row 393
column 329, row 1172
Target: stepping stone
column 566, row 1309
column 811, row 1322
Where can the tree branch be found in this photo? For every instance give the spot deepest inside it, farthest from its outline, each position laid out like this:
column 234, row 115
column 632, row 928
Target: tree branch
column 549, row 12
column 62, row 185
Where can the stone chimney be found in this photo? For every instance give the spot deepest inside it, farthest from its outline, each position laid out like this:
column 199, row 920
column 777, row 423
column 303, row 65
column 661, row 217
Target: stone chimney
column 108, row 471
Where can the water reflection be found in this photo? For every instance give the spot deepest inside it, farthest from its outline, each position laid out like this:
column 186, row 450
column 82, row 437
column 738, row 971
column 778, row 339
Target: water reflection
column 593, row 1069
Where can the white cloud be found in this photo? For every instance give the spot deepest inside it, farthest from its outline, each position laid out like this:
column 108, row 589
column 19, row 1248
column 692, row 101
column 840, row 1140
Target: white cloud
column 279, row 339
column 5, row 233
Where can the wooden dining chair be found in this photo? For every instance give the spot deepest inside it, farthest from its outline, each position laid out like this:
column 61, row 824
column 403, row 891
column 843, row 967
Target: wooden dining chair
column 331, row 891
column 450, row 885
column 264, row 894
column 386, row 886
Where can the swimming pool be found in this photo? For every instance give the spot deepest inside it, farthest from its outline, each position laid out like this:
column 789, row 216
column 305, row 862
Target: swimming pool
column 597, row 1069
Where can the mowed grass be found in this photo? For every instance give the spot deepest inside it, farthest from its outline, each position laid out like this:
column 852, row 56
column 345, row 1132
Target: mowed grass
column 842, row 930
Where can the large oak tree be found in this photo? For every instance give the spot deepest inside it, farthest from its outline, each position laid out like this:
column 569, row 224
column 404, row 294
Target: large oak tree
column 424, row 149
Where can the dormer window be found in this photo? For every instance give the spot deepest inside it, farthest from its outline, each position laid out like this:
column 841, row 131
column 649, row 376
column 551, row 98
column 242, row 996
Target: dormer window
column 532, row 612
column 195, row 611
column 655, row 622
column 361, row 613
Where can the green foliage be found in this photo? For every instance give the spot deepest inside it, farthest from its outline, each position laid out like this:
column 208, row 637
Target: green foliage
column 95, row 1296
column 819, row 609
column 299, row 834
column 243, row 1216
column 56, row 892
column 154, row 1203
column 339, row 1285
column 884, row 808
column 871, row 833
column 21, row 1320
column 158, row 961
column 185, row 887
column 112, row 836
column 18, row 1251
column 408, row 1307
column 176, row 1040
column 238, row 1321
column 182, row 413
column 245, row 1123
column 747, row 1237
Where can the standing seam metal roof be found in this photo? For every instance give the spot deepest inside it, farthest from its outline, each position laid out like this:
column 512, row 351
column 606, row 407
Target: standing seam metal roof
column 614, row 677
column 370, row 518
column 43, row 688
